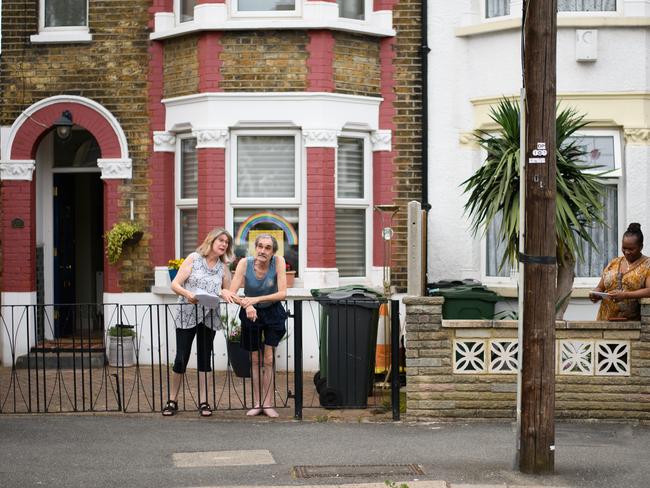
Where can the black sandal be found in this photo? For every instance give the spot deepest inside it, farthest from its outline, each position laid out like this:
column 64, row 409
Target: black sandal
column 170, row 408
column 204, row 409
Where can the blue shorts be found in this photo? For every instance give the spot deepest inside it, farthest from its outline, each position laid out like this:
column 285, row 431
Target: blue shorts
column 270, row 323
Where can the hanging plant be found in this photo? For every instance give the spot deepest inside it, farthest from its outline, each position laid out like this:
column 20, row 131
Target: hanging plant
column 121, row 234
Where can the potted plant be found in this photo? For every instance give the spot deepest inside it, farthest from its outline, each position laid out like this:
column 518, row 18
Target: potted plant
column 291, row 275
column 121, row 345
column 238, row 358
column 172, row 267
column 122, row 234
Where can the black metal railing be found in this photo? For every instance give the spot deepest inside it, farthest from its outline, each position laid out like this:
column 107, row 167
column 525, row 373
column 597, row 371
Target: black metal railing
column 110, row 357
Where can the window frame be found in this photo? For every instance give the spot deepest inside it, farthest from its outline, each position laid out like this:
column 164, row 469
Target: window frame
column 61, row 29
column 367, row 12
column 579, row 13
column 177, row 13
column 364, row 203
column 235, row 13
column 615, row 178
column 260, row 201
column 181, row 203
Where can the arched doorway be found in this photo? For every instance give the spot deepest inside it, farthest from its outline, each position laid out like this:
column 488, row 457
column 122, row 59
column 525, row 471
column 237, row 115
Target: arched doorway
column 69, row 237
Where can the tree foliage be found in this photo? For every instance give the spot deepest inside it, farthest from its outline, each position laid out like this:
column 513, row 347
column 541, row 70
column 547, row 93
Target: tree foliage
column 494, row 188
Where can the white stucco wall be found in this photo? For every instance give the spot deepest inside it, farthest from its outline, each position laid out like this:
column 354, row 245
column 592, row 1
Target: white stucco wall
column 469, row 62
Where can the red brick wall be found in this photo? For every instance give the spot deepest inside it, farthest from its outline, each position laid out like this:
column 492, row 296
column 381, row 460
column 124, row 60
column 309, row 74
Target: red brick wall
column 212, row 190
column 320, row 62
column 321, row 211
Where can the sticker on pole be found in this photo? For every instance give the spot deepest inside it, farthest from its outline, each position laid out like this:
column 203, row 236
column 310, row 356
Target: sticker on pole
column 539, row 154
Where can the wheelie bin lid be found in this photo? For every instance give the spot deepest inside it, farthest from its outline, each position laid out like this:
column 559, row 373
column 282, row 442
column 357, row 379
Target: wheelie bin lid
column 467, row 293
column 357, row 295
column 372, row 292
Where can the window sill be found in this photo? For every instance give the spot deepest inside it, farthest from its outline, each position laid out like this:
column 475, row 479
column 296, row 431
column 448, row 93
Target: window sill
column 510, row 23
column 316, row 15
column 61, row 37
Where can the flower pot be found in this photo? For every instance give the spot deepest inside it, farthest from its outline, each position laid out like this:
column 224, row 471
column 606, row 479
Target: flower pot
column 172, row 273
column 239, row 359
column 121, row 351
column 133, row 240
column 291, row 278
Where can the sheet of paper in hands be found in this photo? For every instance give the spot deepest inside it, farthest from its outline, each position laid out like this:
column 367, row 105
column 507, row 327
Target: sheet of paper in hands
column 600, row 294
column 207, row 300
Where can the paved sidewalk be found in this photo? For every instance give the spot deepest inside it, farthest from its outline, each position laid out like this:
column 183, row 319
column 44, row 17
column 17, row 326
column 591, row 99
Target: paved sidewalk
column 147, row 450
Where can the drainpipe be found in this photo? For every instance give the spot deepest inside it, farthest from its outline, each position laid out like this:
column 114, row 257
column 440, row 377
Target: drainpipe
column 424, row 155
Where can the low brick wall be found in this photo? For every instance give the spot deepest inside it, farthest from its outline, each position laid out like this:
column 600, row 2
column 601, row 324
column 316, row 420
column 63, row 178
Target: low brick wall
column 460, row 369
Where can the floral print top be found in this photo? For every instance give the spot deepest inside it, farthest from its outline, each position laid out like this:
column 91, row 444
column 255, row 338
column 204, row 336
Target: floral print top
column 634, row 279
column 205, row 279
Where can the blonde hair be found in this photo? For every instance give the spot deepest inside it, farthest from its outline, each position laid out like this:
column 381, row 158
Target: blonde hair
column 213, row 235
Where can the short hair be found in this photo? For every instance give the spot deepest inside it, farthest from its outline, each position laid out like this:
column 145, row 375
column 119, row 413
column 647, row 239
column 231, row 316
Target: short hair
column 213, row 235
column 634, row 229
column 267, row 236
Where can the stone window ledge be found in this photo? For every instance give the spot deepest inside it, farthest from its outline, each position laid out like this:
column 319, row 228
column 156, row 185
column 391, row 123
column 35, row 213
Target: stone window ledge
column 61, row 37
column 559, row 325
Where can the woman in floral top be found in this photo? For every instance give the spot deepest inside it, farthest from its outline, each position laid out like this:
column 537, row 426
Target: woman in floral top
column 203, row 271
column 625, row 280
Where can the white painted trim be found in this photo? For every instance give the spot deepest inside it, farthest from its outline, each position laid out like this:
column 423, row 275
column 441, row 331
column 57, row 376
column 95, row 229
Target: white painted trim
column 100, row 109
column 211, row 138
column 316, row 111
column 61, row 37
column 381, row 140
column 17, row 169
column 315, row 15
column 264, row 14
column 320, row 138
column 113, row 169
column 21, row 346
column 164, row 141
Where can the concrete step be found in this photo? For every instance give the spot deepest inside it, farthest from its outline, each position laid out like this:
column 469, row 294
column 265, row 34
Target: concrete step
column 61, row 360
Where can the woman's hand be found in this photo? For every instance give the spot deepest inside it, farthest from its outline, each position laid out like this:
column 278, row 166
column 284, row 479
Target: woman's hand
column 191, row 297
column 594, row 298
column 229, row 296
column 251, row 313
column 618, row 295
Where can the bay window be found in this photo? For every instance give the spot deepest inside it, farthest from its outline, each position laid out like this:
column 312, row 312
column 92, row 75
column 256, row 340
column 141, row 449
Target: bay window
column 352, row 205
column 187, row 171
column 352, row 9
column 185, row 10
column 265, row 7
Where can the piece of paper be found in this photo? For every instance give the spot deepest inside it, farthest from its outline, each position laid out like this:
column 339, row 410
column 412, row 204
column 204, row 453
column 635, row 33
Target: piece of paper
column 600, row 294
column 207, row 300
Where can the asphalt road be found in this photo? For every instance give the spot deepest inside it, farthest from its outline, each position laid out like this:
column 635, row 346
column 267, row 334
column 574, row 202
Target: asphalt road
column 138, row 451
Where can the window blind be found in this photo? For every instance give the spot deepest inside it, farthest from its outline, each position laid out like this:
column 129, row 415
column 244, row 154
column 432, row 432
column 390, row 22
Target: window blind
column 189, row 231
column 266, row 166
column 349, row 168
column 586, row 5
column 351, row 242
column 497, row 8
column 189, row 169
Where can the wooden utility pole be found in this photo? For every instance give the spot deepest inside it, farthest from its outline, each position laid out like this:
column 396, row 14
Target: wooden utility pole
column 537, row 441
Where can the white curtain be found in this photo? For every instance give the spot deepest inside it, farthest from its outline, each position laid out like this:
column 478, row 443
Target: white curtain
column 606, row 239
column 497, row 8
column 65, row 13
column 586, row 5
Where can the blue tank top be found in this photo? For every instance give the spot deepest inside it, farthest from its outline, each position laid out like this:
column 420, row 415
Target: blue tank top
column 256, row 287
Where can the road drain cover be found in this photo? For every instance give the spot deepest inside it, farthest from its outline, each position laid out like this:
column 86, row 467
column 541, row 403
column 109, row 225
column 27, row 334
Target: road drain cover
column 350, row 470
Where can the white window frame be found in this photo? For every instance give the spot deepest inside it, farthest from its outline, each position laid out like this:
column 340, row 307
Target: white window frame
column 367, row 13
column 235, row 13
column 181, row 203
column 359, row 203
column 72, row 33
column 614, row 178
column 598, row 13
column 177, row 13
column 517, row 12
column 258, row 201
column 485, row 18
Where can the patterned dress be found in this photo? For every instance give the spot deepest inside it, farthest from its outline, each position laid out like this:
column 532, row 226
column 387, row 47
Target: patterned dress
column 634, row 279
column 206, row 279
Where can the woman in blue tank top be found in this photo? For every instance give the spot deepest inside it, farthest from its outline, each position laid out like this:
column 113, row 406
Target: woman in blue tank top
column 264, row 279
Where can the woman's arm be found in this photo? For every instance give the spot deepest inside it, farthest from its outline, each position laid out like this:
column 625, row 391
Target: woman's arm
column 644, row 292
column 181, row 277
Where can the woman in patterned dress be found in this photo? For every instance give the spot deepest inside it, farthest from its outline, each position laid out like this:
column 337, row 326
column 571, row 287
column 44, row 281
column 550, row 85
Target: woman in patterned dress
column 202, row 271
column 625, row 280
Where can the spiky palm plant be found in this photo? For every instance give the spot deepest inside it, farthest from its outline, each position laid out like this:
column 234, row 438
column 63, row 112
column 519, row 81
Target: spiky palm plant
column 494, row 190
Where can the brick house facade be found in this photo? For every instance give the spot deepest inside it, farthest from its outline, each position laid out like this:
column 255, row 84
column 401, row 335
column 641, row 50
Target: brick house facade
column 175, row 104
